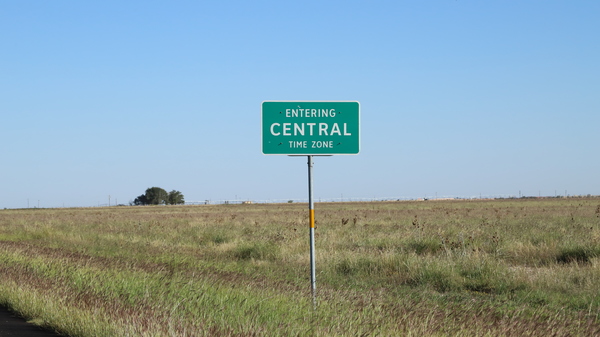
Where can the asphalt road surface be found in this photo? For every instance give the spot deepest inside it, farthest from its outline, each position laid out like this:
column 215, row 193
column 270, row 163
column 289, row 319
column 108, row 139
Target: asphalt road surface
column 14, row 326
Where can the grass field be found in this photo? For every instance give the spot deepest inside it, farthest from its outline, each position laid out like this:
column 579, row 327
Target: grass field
column 526, row 267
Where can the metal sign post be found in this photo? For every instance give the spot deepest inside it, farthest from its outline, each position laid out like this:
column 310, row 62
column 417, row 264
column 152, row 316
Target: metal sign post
column 310, row 128
column 311, row 211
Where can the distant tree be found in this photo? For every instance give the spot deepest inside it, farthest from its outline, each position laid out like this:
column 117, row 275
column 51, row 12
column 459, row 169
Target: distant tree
column 141, row 200
column 156, row 196
column 175, row 198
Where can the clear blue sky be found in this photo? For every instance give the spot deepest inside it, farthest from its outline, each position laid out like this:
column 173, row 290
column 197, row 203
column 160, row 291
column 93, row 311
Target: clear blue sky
column 458, row 98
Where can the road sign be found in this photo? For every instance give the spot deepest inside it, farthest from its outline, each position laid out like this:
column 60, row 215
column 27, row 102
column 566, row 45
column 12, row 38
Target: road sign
column 310, row 128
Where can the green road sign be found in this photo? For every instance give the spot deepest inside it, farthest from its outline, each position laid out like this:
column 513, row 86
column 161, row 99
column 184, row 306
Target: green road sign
column 310, row 128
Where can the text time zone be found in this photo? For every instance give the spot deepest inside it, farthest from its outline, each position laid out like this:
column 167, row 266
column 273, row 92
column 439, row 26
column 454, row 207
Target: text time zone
column 314, row 144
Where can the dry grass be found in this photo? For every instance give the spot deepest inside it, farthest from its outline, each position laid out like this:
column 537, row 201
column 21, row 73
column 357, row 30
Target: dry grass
column 500, row 267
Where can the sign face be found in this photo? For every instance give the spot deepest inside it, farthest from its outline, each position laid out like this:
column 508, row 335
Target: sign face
column 310, row 128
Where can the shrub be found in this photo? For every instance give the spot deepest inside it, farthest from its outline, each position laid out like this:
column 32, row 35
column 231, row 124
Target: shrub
column 255, row 251
column 579, row 254
column 424, row 246
column 441, row 280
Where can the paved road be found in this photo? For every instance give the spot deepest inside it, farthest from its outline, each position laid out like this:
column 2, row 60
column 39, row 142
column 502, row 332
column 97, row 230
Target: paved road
column 13, row 326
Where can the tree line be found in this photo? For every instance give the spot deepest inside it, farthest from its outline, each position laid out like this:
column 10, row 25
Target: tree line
column 158, row 196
